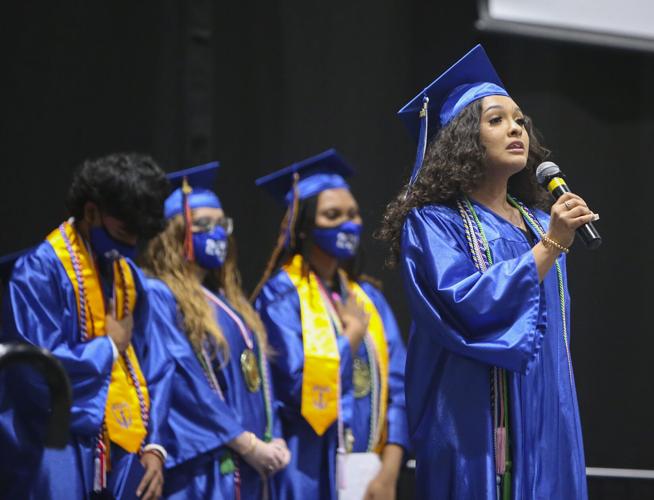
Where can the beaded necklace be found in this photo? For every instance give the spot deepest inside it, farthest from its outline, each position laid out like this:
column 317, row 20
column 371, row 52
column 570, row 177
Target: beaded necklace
column 536, row 225
column 482, row 258
column 375, row 426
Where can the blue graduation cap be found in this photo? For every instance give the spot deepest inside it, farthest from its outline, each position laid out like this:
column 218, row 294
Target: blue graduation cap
column 471, row 78
column 7, row 263
column 326, row 170
column 196, row 184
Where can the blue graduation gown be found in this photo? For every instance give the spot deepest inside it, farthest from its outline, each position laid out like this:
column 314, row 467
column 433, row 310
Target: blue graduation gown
column 39, row 307
column 397, row 430
column 465, row 322
column 200, row 422
column 249, row 407
column 312, row 471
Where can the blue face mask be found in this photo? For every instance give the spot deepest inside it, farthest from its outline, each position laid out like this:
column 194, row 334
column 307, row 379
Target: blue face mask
column 341, row 242
column 106, row 247
column 210, row 248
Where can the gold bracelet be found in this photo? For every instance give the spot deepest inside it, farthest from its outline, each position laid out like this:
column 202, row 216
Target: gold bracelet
column 157, row 454
column 549, row 242
column 251, row 445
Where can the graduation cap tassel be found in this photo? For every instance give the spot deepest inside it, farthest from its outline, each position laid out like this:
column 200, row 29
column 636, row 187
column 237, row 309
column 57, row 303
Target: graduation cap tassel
column 188, row 222
column 422, row 140
column 292, row 217
column 286, row 234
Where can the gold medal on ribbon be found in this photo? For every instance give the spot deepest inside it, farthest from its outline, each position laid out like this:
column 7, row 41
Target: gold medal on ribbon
column 361, row 378
column 250, row 369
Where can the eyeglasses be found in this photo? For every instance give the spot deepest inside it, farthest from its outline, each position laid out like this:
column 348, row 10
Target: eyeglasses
column 207, row 224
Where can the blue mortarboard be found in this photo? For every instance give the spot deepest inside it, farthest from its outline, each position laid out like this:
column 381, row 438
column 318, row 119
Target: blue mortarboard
column 201, row 180
column 7, row 263
column 326, row 170
column 469, row 79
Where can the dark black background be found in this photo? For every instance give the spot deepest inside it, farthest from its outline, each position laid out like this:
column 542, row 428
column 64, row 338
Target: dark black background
column 259, row 85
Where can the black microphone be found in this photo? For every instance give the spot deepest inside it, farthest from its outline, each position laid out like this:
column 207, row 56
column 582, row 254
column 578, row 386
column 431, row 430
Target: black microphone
column 549, row 175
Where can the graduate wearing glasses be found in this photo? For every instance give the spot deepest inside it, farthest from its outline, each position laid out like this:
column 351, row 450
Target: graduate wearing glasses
column 225, row 439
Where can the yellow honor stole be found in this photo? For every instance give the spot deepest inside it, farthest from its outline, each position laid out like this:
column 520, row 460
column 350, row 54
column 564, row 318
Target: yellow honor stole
column 128, row 401
column 320, row 377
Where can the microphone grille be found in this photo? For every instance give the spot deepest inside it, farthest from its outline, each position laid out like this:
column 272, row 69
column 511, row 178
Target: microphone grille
column 545, row 171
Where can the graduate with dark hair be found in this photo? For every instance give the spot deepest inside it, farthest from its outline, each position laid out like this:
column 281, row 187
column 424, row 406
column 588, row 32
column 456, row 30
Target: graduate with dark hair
column 340, row 357
column 491, row 398
column 226, row 439
column 79, row 295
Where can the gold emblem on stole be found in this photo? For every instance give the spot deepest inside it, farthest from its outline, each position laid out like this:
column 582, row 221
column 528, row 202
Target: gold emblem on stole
column 122, row 414
column 319, row 392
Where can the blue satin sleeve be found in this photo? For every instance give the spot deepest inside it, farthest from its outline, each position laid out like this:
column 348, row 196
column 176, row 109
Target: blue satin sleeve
column 347, row 387
column 156, row 363
column 398, row 431
column 278, row 306
column 496, row 317
column 39, row 308
column 198, row 420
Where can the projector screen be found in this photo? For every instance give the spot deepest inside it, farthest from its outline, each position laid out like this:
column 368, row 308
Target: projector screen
column 626, row 23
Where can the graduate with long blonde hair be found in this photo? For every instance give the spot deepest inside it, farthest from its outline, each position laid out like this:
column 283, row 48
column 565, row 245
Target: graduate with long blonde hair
column 225, row 435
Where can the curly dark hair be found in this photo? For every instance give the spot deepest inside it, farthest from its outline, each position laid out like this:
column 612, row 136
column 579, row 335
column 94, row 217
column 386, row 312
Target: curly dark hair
column 453, row 167
column 128, row 186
